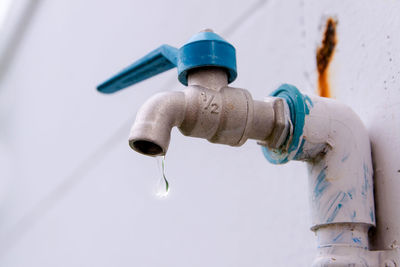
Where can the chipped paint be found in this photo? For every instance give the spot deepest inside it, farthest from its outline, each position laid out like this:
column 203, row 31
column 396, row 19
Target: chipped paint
column 324, row 57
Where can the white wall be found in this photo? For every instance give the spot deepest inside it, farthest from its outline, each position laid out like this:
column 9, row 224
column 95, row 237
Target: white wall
column 74, row 194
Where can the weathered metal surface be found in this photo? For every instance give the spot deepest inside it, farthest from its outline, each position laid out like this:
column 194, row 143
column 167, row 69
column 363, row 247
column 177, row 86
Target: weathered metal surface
column 208, row 109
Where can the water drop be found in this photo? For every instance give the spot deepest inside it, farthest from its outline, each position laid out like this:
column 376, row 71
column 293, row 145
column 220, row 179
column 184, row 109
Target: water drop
column 162, row 189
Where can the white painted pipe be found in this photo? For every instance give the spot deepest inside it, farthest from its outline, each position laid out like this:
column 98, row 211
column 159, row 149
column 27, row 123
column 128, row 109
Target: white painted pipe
column 331, row 138
column 336, row 145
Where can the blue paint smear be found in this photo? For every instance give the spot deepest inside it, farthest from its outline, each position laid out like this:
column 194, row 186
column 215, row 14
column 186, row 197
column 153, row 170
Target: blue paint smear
column 337, row 208
column 334, row 213
column 345, row 157
column 334, row 201
column 353, row 216
column 308, row 102
column 337, row 237
column 357, row 240
column 366, row 185
column 372, row 215
column 300, row 151
column 322, row 184
column 350, row 193
column 275, row 156
column 298, row 110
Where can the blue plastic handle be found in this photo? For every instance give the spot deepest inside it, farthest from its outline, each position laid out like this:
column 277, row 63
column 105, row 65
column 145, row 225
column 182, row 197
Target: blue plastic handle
column 205, row 49
column 159, row 60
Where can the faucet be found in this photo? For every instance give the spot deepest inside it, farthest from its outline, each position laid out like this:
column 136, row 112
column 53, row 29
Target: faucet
column 210, row 109
column 288, row 124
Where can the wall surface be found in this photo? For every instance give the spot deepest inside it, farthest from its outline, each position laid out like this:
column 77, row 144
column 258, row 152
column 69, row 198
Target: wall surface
column 72, row 193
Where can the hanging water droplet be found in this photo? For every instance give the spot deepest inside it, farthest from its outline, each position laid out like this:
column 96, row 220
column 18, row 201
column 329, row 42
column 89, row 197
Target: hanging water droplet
column 162, row 189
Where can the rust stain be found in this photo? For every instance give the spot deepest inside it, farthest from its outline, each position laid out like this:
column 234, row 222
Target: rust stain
column 324, row 56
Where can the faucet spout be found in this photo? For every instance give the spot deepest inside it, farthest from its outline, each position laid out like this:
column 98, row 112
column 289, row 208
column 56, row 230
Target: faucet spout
column 151, row 132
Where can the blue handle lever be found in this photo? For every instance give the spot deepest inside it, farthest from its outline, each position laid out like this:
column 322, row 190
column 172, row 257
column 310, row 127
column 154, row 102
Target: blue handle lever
column 157, row 61
column 205, row 49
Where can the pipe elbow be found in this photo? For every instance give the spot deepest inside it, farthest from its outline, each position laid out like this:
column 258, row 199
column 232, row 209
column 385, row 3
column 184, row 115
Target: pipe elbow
column 332, row 139
column 151, row 132
column 336, row 145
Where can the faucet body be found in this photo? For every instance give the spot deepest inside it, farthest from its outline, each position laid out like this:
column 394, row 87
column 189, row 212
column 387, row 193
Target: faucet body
column 208, row 108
